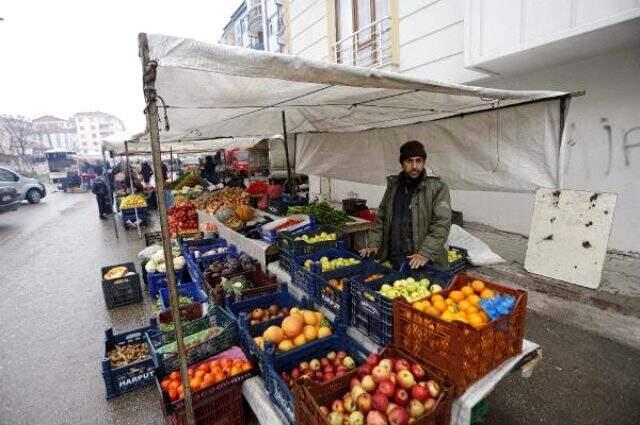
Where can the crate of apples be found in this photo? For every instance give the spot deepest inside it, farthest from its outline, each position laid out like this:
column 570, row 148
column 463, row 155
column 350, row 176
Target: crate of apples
column 389, row 389
column 333, row 365
column 260, row 315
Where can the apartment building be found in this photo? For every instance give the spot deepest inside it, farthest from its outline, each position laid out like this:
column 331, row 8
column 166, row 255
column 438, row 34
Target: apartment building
column 55, row 133
column 92, row 128
column 571, row 45
column 256, row 24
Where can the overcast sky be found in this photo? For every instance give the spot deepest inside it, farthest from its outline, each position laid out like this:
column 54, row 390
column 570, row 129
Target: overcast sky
column 60, row 57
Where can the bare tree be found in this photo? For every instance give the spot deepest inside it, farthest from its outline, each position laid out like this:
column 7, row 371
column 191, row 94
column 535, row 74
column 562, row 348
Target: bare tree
column 21, row 140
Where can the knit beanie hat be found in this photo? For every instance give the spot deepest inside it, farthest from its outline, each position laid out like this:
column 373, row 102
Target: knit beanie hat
column 412, row 149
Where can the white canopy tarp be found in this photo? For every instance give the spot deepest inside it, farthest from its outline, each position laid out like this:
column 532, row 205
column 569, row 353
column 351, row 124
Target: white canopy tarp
column 213, row 91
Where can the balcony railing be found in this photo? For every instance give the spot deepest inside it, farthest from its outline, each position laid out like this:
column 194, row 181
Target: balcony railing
column 254, row 19
column 370, row 46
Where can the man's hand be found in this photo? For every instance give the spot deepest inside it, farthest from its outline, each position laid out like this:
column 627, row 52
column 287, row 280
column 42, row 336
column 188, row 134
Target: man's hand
column 416, row 261
column 366, row 252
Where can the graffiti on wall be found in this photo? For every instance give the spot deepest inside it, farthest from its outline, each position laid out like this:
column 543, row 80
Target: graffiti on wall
column 629, row 140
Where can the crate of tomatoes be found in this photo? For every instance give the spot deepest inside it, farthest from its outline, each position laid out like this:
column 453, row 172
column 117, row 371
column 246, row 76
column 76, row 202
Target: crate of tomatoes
column 465, row 331
column 215, row 389
column 389, row 388
column 183, row 218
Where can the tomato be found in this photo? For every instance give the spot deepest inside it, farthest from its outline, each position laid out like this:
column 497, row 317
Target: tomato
column 174, row 385
column 200, row 374
column 173, row 394
column 175, row 376
column 204, row 367
column 219, row 377
column 165, row 384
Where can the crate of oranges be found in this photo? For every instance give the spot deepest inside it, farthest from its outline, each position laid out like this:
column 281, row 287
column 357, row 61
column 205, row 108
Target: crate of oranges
column 465, row 331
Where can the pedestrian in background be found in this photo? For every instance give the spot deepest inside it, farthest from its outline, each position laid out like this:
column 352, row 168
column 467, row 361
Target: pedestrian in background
column 146, row 172
column 101, row 190
column 209, row 171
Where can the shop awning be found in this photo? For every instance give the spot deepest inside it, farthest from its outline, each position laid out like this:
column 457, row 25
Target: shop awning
column 213, row 91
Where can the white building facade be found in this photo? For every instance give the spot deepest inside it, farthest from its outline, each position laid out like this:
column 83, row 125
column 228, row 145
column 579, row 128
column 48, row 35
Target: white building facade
column 92, row 128
column 257, row 24
column 55, row 133
column 569, row 45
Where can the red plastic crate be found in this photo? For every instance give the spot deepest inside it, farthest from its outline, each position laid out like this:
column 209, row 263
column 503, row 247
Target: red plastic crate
column 460, row 352
column 220, row 408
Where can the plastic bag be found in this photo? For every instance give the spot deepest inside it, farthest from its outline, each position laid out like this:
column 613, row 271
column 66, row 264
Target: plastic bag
column 148, row 252
column 478, row 252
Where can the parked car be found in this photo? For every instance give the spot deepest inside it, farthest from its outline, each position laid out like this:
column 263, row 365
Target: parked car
column 8, row 199
column 29, row 189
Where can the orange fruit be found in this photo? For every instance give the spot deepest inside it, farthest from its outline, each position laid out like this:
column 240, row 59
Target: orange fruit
column 246, row 366
column 473, row 299
column 310, row 333
column 236, row 370
column 174, row 376
column 309, row 317
column 174, row 385
column 439, row 305
column 477, row 285
column 432, row 311
column 436, row 298
column 449, row 302
column 292, row 325
column 467, row 290
column 200, row 374
column 487, row 293
column 476, row 321
column 299, row 340
column 483, row 315
column 165, row 384
column 226, row 363
column 285, row 345
column 218, row 377
column 196, row 384
column 456, row 296
column 464, row 305
column 275, row 334
column 324, row 332
column 471, row 309
column 448, row 316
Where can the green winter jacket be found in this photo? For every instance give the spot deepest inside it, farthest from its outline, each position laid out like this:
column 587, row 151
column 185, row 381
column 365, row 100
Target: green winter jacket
column 430, row 219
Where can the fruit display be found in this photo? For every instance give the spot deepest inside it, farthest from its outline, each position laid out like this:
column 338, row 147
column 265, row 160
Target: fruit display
column 385, row 391
column 122, row 355
column 204, row 375
column 117, row 272
column 327, row 265
column 187, row 192
column 410, row 289
column 297, row 329
column 322, row 237
column 454, row 255
column 133, row 201
column 332, row 365
column 322, row 212
column 228, row 196
column 259, row 315
column 230, row 265
column 462, row 305
column 156, row 262
column 183, row 300
column 244, row 213
column 183, row 218
column 191, row 340
column 191, row 179
column 333, row 286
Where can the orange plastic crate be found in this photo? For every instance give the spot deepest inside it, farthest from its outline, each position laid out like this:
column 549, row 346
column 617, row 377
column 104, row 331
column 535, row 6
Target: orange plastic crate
column 460, row 352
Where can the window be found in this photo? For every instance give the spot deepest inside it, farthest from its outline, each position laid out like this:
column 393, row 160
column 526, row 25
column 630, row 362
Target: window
column 7, row 176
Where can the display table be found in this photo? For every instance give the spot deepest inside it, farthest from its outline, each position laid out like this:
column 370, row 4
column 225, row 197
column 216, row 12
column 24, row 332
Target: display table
column 462, row 406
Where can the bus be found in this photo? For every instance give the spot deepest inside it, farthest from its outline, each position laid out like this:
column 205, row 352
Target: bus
column 59, row 162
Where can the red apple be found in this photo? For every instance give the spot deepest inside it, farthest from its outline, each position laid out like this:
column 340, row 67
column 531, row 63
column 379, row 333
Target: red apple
column 314, row 364
column 328, row 376
column 356, row 418
column 329, row 369
column 340, row 373
column 318, row 375
column 365, row 369
column 349, row 403
column 416, row 408
column 353, row 382
column 418, row 371
column 335, row 418
column 379, row 373
column 420, row 392
column 405, row 379
column 324, row 410
column 390, row 407
column 387, row 388
column 368, row 384
column 304, row 365
column 373, row 360
column 434, row 388
column 324, row 362
column 364, row 403
column 387, row 364
column 341, row 368
column 376, row 418
column 399, row 416
column 295, row 373
column 379, row 402
column 349, row 363
column 429, row 404
column 401, row 397
column 401, row 364
column 393, row 379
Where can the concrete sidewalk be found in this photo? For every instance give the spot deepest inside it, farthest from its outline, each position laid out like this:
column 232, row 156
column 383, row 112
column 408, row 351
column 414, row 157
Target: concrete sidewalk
column 612, row 310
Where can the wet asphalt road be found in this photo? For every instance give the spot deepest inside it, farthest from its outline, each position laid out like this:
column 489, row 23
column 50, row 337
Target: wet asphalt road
column 53, row 317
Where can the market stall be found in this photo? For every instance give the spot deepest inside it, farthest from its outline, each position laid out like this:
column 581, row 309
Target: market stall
column 337, row 112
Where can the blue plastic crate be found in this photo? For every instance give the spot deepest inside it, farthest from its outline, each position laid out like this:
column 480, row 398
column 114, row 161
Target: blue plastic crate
column 290, row 247
column 277, row 388
column 447, row 273
column 216, row 316
column 158, row 280
column 132, row 376
column 371, row 312
column 271, row 236
column 190, row 245
column 190, row 289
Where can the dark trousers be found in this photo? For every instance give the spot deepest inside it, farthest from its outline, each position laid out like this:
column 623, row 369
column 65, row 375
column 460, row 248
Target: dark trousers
column 103, row 205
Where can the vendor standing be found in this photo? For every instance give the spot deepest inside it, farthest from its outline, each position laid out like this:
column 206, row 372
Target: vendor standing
column 414, row 217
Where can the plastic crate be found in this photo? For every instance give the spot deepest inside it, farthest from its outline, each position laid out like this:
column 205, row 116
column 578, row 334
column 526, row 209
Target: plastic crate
column 211, row 281
column 447, row 273
column 216, row 316
column 371, row 312
column 132, row 376
column 123, row 291
column 262, row 283
column 218, row 404
column 271, row 236
column 285, row 263
column 152, row 237
column 459, row 351
column 158, row 280
column 305, row 279
column 190, row 289
column 309, row 396
column 277, row 388
column 290, row 247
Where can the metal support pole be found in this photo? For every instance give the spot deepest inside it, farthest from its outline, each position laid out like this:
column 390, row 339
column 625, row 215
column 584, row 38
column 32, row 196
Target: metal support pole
column 135, row 209
column 113, row 212
column 171, row 164
column 286, row 153
column 149, row 73
column 224, row 167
